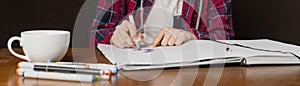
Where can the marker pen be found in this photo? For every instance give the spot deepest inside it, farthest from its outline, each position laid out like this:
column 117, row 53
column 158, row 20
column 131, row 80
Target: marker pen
column 71, row 70
column 70, row 65
column 136, row 41
column 61, row 76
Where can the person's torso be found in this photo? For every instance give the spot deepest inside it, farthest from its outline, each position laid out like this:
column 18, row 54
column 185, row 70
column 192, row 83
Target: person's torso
column 161, row 15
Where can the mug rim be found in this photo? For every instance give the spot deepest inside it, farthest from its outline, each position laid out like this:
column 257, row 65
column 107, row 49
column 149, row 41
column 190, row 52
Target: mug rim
column 52, row 32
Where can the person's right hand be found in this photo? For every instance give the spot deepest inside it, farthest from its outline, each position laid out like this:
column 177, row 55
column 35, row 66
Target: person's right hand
column 122, row 39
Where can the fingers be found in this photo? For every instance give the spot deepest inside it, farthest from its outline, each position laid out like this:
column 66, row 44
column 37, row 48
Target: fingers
column 174, row 36
column 115, row 40
column 171, row 41
column 157, row 38
column 179, row 40
column 141, row 37
column 130, row 27
column 183, row 37
column 121, row 38
column 128, row 41
column 166, row 36
column 165, row 40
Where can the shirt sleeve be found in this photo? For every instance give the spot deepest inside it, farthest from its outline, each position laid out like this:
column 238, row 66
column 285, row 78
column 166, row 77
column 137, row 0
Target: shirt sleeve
column 215, row 21
column 108, row 15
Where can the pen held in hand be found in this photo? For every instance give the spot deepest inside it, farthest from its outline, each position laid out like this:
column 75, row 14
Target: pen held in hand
column 136, row 40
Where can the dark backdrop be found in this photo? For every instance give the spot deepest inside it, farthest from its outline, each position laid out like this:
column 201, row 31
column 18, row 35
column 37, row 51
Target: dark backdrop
column 273, row 19
column 277, row 20
column 20, row 15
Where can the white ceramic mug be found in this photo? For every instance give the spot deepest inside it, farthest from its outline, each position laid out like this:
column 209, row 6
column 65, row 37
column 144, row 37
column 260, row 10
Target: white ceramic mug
column 42, row 45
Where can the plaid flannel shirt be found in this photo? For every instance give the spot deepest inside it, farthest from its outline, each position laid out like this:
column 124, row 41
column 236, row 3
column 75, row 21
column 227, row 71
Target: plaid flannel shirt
column 216, row 15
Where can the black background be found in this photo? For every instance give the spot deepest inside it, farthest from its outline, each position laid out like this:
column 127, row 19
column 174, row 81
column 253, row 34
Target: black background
column 252, row 19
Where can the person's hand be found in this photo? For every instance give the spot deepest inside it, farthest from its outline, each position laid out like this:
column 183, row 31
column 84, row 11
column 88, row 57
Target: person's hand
column 170, row 36
column 124, row 35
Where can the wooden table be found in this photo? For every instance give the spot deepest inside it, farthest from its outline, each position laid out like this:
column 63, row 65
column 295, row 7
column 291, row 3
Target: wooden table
column 229, row 76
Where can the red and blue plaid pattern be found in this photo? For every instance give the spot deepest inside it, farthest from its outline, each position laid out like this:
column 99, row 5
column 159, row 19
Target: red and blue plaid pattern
column 216, row 15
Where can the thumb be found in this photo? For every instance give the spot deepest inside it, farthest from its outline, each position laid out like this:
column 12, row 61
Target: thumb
column 140, row 37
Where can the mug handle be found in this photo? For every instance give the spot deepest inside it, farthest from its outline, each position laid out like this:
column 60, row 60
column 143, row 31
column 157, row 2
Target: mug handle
column 13, row 52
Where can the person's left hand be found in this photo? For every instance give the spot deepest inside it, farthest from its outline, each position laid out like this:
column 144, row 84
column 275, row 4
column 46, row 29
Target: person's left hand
column 170, row 36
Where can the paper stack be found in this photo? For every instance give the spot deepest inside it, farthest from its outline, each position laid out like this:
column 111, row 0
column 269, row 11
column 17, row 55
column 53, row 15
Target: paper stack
column 204, row 52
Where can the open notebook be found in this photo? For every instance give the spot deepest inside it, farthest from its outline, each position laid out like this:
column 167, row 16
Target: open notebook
column 204, row 52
